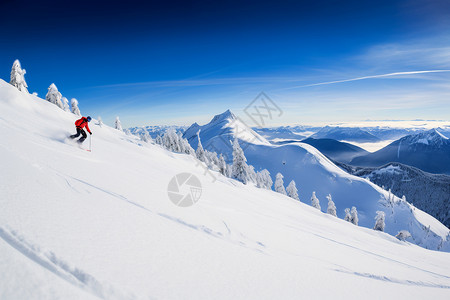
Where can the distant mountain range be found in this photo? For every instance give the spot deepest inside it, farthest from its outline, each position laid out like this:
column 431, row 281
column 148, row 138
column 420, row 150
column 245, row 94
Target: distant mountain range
column 429, row 192
column 282, row 133
column 154, row 131
column 428, row 151
column 352, row 134
column 339, row 151
column 311, row 170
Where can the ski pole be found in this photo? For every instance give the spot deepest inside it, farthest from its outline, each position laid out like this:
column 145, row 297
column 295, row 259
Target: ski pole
column 90, row 143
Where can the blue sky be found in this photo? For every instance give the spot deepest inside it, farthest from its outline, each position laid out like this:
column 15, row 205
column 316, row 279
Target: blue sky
column 170, row 62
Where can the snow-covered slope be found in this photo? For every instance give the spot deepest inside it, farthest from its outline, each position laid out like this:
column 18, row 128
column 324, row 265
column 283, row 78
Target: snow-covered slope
column 80, row 225
column 428, row 151
column 312, row 171
column 429, row 192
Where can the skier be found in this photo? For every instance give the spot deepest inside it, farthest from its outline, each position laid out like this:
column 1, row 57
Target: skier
column 80, row 124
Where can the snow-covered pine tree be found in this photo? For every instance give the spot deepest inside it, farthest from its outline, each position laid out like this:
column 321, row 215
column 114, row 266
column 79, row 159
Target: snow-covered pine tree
column 18, row 77
column 54, row 96
column 279, row 184
column 200, row 153
column 222, row 165
column 354, row 214
column 379, row 221
column 171, row 141
column 403, row 235
column 145, row 137
column 211, row 159
column 263, row 179
column 187, row 148
column 331, row 206
column 239, row 169
column 117, row 124
column 292, row 191
column 180, row 143
column 315, row 202
column 100, row 121
column 65, row 102
column 229, row 170
column 159, row 140
column 75, row 109
column 252, row 173
column 348, row 216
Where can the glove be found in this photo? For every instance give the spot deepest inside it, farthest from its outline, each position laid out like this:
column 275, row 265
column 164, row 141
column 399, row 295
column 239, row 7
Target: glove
column 90, row 133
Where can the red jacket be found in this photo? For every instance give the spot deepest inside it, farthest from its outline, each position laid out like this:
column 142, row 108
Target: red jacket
column 83, row 122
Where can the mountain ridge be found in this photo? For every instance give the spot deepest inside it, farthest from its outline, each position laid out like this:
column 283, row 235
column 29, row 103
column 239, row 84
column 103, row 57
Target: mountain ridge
column 428, row 151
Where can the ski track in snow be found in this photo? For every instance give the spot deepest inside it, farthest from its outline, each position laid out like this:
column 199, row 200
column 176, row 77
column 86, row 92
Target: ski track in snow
column 383, row 257
column 394, row 280
column 246, row 242
column 60, row 268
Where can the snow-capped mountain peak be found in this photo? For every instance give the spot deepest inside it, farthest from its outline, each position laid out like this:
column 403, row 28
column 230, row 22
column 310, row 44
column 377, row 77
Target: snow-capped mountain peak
column 227, row 115
column 354, row 134
column 431, row 138
column 218, row 134
column 428, row 151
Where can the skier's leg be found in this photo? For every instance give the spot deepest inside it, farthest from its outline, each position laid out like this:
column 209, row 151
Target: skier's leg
column 76, row 134
column 84, row 136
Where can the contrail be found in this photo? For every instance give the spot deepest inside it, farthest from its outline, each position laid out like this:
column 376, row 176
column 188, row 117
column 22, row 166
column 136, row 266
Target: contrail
column 370, row 77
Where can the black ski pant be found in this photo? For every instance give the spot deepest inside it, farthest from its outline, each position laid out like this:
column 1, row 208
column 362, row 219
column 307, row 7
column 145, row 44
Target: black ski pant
column 79, row 131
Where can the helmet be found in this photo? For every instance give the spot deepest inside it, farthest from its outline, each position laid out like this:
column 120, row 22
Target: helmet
column 89, row 118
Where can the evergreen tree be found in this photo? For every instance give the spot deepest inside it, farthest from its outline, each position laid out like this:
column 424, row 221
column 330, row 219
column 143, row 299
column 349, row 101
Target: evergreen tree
column 117, row 124
column 100, row 121
column 65, row 102
column 279, row 184
column 315, row 202
column 354, row 214
column 379, row 221
column 263, row 179
column 213, row 160
column 348, row 216
column 186, row 146
column 159, row 140
column 292, row 191
column 145, row 137
column 222, row 166
column 18, row 77
column 200, row 153
column 171, row 141
column 229, row 170
column 54, row 96
column 240, row 170
column 331, row 206
column 75, row 109
column 251, row 173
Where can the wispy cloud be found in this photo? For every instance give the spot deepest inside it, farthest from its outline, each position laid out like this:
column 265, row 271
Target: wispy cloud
column 200, row 82
column 430, row 53
column 371, row 77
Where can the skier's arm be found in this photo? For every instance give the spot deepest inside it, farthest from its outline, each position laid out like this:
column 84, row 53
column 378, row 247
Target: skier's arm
column 87, row 127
